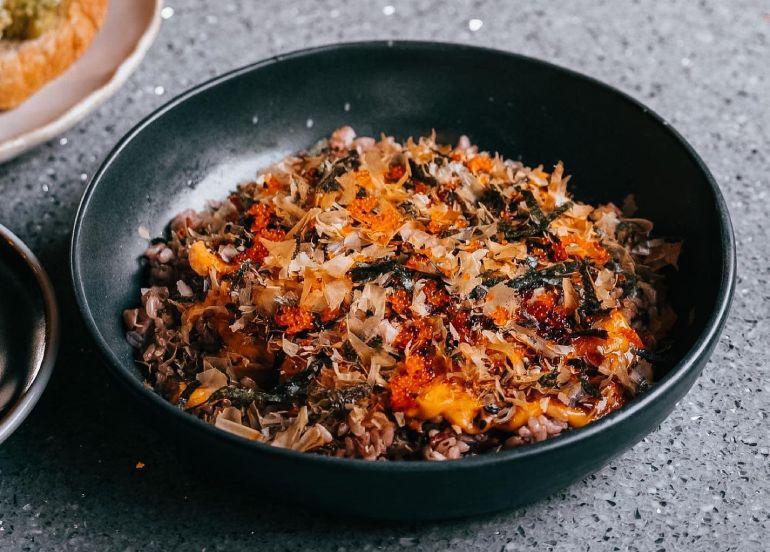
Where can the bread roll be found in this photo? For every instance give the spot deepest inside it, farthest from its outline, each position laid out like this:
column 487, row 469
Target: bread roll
column 26, row 65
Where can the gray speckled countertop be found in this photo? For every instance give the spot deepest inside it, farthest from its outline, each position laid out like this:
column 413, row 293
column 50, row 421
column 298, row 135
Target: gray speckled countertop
column 68, row 477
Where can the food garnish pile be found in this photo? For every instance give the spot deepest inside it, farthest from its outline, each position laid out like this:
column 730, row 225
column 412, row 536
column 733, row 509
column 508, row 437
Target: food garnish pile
column 370, row 299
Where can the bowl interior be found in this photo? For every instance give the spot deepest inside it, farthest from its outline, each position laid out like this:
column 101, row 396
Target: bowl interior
column 204, row 143
column 22, row 326
column 28, row 331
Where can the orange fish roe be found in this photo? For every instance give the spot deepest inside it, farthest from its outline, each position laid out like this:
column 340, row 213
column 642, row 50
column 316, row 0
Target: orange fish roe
column 327, row 315
column 257, row 252
column 362, row 206
column 406, row 384
column 387, row 221
column 549, row 316
column 273, row 186
column 262, row 214
column 400, row 301
column 558, row 253
column 479, row 163
column 416, row 260
column 364, row 179
column 500, row 316
column 435, row 295
column 579, row 247
column 461, row 322
column 272, row 234
column 295, row 319
column 417, row 332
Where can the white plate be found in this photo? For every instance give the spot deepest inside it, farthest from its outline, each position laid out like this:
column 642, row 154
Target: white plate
column 117, row 50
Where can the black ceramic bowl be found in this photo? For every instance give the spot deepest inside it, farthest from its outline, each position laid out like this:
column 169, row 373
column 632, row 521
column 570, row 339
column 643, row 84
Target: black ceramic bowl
column 193, row 147
column 29, row 331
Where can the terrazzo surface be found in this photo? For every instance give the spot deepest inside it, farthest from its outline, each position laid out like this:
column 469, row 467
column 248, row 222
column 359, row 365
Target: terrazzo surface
column 69, row 477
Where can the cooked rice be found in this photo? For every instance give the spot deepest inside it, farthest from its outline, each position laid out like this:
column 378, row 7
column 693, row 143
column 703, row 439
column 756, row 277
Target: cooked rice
column 368, row 299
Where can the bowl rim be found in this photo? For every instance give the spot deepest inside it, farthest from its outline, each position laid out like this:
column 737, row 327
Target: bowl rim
column 30, row 396
column 679, row 371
